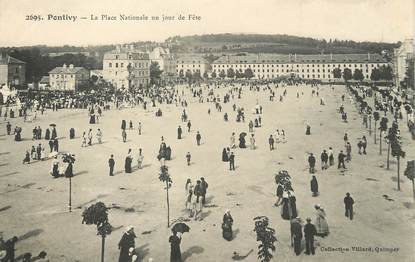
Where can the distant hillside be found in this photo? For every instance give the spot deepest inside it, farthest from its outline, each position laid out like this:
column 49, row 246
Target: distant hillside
column 283, row 44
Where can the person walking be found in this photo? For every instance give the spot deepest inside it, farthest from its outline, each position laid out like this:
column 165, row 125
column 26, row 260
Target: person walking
column 345, row 138
column 341, row 158
column 296, row 235
column 348, row 152
column 311, row 163
column 197, row 202
column 139, row 128
column 322, row 227
column 198, row 138
column 227, row 223
column 348, row 205
column 140, row 158
column 8, row 128
column 127, row 241
column 111, row 164
column 364, row 144
column 179, row 133
column 331, row 156
column 175, row 253
column 124, row 135
column 90, row 137
column 324, row 158
column 188, row 158
column 128, row 161
column 314, row 186
column 271, row 142
column 309, row 233
column 99, row 136
column 203, row 189
column 232, row 162
column 83, row 140
column 252, row 142
column 189, row 125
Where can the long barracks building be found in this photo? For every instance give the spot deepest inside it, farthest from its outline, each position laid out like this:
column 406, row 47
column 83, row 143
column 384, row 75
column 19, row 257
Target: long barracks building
column 268, row 66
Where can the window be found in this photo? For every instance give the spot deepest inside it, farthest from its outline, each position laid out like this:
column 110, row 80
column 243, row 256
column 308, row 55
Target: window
column 116, row 65
column 110, row 65
column 122, row 64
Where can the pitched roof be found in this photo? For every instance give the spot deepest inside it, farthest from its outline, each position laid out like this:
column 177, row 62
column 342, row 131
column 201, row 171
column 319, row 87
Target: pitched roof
column 66, row 70
column 125, row 55
column 191, row 59
column 5, row 60
column 44, row 79
column 278, row 58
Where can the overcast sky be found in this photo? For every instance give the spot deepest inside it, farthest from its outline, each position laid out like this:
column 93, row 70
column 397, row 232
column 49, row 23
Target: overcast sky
column 361, row 20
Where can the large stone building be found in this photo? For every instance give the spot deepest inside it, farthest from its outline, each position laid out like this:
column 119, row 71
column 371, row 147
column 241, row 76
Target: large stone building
column 68, row 78
column 166, row 62
column 192, row 64
column 401, row 59
column 126, row 68
column 318, row 67
column 12, row 71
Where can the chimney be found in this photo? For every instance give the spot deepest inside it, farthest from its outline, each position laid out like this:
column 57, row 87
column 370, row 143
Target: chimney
column 71, row 66
column 368, row 56
column 64, row 66
column 331, row 56
column 295, row 57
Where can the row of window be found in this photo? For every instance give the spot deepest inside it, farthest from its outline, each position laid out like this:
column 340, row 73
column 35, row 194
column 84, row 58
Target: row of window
column 63, row 76
column 136, row 65
column 298, row 65
column 138, row 73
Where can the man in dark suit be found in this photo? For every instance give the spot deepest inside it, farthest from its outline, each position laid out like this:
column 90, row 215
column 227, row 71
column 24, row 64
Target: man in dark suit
column 111, row 163
column 348, row 205
column 309, row 233
column 232, row 161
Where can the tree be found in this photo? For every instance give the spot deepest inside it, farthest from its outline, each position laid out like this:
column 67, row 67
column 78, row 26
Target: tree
column 248, row 73
column 97, row 214
column 386, row 73
column 213, row 75
column 337, row 72
column 164, row 176
column 155, row 72
column 376, row 117
column 205, row 75
column 410, row 173
column 358, row 75
column 398, row 153
column 392, row 133
column 222, row 74
column 382, row 128
column 230, row 73
column 266, row 236
column 347, row 74
column 375, row 75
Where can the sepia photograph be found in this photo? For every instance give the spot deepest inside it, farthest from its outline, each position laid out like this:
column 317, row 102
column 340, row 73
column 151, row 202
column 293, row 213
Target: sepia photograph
column 207, row 131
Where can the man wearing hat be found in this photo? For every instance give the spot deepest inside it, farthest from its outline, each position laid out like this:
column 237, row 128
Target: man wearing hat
column 348, row 205
column 297, row 235
column 309, row 233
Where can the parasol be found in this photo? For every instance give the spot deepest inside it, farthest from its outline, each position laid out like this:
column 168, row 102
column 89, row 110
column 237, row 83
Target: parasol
column 243, row 134
column 180, row 227
column 54, row 125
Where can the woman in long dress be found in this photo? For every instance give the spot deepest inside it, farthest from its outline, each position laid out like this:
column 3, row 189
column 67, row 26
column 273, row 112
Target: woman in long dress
column 225, row 155
column 227, row 226
column 175, row 253
column 321, row 224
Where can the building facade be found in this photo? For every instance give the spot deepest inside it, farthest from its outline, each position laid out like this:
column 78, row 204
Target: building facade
column 68, row 78
column 192, row 64
column 318, row 67
column 401, row 58
column 126, row 68
column 166, row 62
column 12, row 71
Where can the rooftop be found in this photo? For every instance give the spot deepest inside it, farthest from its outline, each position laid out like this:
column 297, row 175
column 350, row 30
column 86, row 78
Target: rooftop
column 6, row 59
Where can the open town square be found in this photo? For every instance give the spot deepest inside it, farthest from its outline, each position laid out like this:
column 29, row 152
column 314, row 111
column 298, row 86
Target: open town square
column 237, row 117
